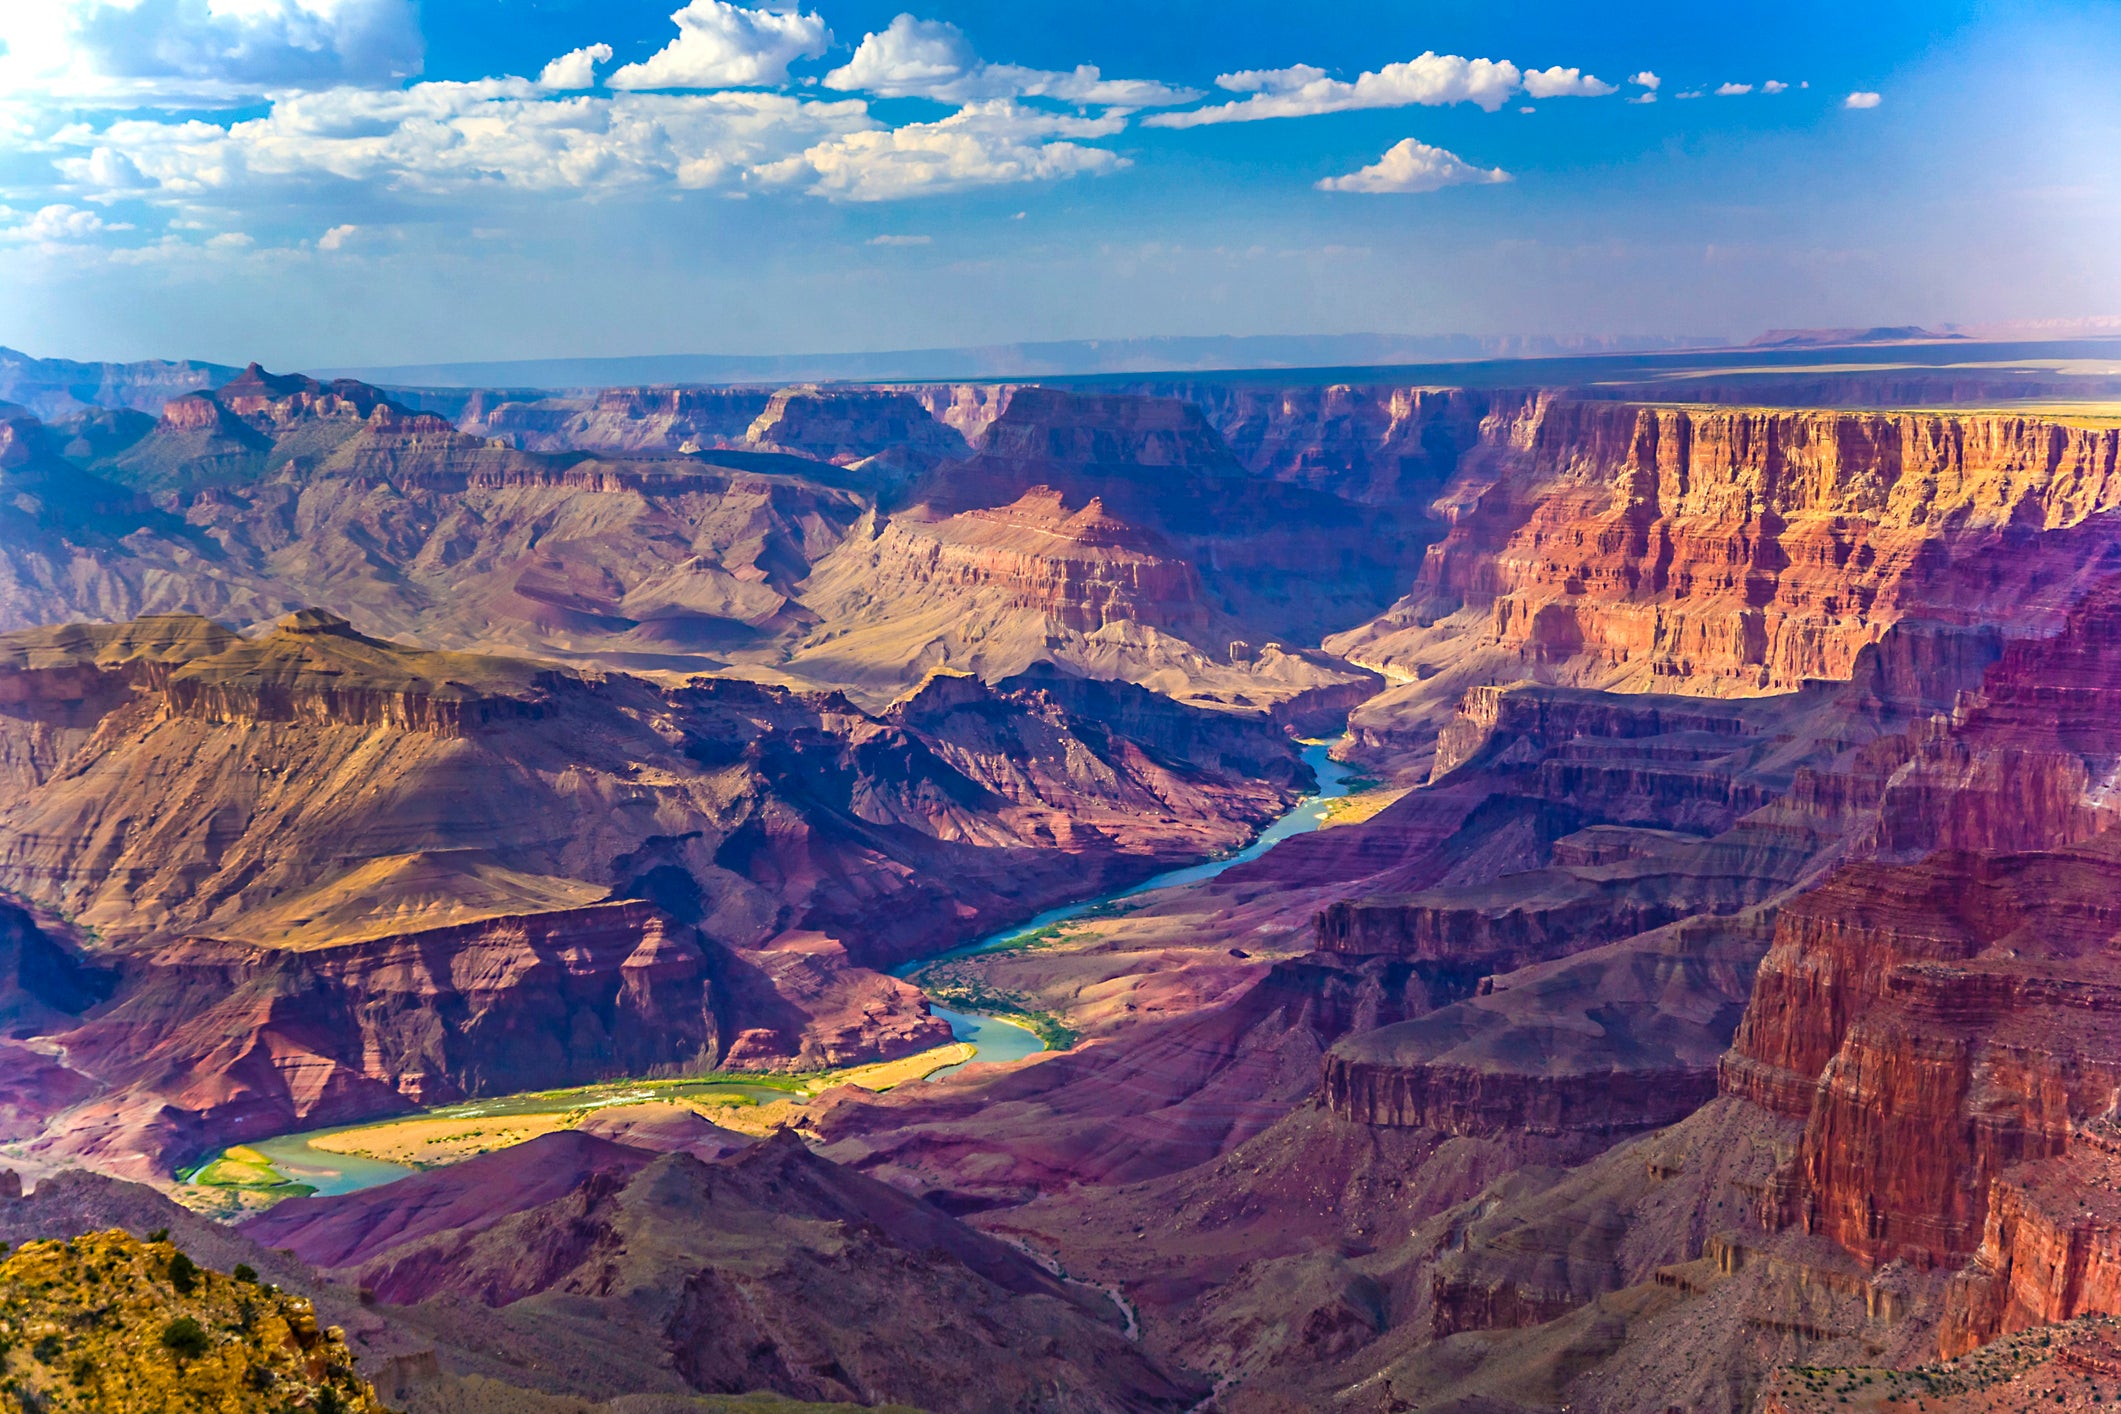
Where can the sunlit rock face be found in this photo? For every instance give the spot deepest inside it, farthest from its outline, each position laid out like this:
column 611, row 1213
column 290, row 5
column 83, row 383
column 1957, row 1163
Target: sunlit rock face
column 1743, row 550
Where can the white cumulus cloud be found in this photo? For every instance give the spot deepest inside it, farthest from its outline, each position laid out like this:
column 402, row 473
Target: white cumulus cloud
column 1289, row 80
column 720, row 45
column 185, row 52
column 447, row 138
column 59, row 224
column 576, row 69
column 1558, row 82
column 337, row 237
column 1647, row 80
column 1432, row 80
column 915, row 58
column 1774, row 86
column 1862, row 98
column 1733, row 90
column 982, row 144
column 1411, row 166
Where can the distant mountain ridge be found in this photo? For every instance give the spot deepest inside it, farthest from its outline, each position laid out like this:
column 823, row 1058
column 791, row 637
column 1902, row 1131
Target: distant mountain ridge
column 1055, row 359
column 58, row 388
column 1835, row 338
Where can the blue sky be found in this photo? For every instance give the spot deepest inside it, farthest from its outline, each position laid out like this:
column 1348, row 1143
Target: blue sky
column 320, row 182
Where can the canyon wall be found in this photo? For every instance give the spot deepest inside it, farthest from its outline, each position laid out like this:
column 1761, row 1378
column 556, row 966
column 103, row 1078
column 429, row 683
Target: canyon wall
column 213, row 1042
column 1742, row 550
column 335, row 873
column 1935, row 1014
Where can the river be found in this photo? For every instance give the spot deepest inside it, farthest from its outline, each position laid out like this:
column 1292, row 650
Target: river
column 994, row 1038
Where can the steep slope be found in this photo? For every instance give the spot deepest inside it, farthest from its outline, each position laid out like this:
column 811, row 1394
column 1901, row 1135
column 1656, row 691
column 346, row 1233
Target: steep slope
column 365, row 874
column 1912, row 1147
column 1935, row 1023
column 108, row 1324
column 1158, row 465
column 1735, row 550
column 1489, row 1024
column 995, row 590
column 449, row 1356
column 1117, row 536
column 275, row 492
column 772, row 1269
column 815, row 537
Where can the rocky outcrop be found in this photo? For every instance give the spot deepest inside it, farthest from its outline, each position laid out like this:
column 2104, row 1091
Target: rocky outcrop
column 1046, row 426
column 1080, row 567
column 416, row 528
column 616, row 419
column 315, row 734
column 1734, row 550
column 166, row 1333
column 700, row 534
column 1617, row 1040
column 214, row 1042
column 2029, row 760
column 1286, row 562
column 1936, row 1024
column 840, row 426
column 281, row 399
column 2050, row 1248
column 969, row 409
column 845, row 426
column 1496, row 724
column 1377, row 444
column 1412, row 1092
column 317, row 668
column 1050, row 580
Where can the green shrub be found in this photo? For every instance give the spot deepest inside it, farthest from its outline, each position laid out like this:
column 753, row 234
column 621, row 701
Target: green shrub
column 245, row 1272
column 184, row 1338
column 183, row 1274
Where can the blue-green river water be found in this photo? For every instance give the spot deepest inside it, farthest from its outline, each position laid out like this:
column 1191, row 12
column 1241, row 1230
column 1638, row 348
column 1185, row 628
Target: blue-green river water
column 995, row 1039
column 1000, row 1040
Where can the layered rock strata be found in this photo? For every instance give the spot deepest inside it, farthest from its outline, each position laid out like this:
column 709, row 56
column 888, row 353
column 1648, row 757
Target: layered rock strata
column 213, row 1042
column 369, row 875
column 1735, row 550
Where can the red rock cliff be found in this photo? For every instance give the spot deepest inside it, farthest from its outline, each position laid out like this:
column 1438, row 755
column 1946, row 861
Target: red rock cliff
column 1746, row 550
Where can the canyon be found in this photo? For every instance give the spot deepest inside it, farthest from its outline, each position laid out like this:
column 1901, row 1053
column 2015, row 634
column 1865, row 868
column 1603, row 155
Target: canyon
column 367, row 876
column 1704, row 990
